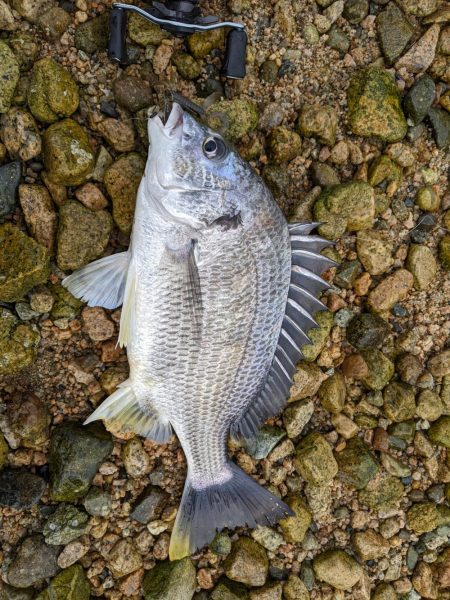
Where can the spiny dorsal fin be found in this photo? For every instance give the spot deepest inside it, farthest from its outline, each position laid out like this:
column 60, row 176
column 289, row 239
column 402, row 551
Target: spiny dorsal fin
column 302, row 304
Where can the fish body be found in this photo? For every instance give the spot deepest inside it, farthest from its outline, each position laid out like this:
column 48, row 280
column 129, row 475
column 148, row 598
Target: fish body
column 213, row 318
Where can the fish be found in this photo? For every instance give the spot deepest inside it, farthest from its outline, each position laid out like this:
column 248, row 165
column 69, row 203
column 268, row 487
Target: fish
column 218, row 293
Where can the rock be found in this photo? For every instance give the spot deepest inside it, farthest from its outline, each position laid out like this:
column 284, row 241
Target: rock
column 92, row 36
column 421, row 55
column 268, row 71
column 439, row 432
column 295, row 589
column 32, row 9
column 70, row 584
column 67, row 153
column 118, row 133
column 264, row 441
column 367, row 331
column 267, row 537
column 20, row 489
column 54, row 22
column 200, row 44
column 18, row 344
column 310, row 34
column 135, row 459
column 338, row 40
column 318, row 336
column 422, row 264
column 357, row 465
column 345, row 207
column 122, row 180
column 394, row 32
column 439, row 364
column 65, row 305
column 124, row 558
column 91, row 196
column 34, row 561
column 382, row 493
column 332, row 393
column 132, row 93
column 271, row 591
column 7, row 22
column 419, row 99
column 247, row 563
column 145, row 33
column 380, row 369
column 82, row 235
column 23, row 263
column 391, row 290
column 7, row 592
column 150, row 504
column 324, row 175
column 221, row 544
column 355, row 11
column 170, row 581
column 232, row 118
column 344, row 426
column 346, row 277
column 424, row 517
column 296, row 416
column 440, row 122
column 66, row 524
column 97, row 324
column 10, row 175
column 384, row 591
column 314, row 460
column 228, row 590
column 284, row 145
column 103, row 161
column 424, row 581
column 9, row 76
column 399, row 401
column 338, row 569
column 40, row 217
column 319, row 501
column 294, row 528
column 374, row 108
column 319, row 122
column 186, row 65
column 98, row 502
column 4, row 449
column 307, row 380
column 444, row 252
column 370, row 545
column 20, row 134
column 383, row 171
column 53, row 93
column 75, row 454
column 73, row 552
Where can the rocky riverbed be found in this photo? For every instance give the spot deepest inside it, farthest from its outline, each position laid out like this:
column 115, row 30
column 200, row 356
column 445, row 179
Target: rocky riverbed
column 345, row 113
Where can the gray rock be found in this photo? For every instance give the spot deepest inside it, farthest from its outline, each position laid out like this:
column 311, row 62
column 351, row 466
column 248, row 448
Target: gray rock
column 7, row 592
column 355, row 11
column 440, row 122
column 419, row 99
column 64, row 525
column 20, row 489
column 34, row 561
column 98, row 502
column 367, row 331
column 394, row 32
column 150, row 505
column 264, row 442
column 10, row 175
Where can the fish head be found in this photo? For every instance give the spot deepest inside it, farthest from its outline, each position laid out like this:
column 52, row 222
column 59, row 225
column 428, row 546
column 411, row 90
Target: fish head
column 196, row 176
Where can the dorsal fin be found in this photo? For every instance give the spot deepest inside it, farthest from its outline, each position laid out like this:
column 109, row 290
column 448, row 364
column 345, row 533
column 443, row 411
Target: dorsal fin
column 302, row 303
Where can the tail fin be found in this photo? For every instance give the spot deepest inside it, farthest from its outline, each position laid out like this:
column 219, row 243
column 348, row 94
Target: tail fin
column 238, row 501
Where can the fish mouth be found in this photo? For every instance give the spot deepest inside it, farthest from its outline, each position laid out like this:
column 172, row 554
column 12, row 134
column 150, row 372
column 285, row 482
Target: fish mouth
column 172, row 124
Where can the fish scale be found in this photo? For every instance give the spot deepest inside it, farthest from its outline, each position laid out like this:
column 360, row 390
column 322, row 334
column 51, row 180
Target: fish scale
column 218, row 297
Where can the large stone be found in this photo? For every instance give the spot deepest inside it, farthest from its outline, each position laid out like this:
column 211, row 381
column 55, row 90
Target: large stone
column 66, row 524
column 314, row 460
column 18, row 343
column 419, row 99
column 247, row 563
column 7, row 23
column 92, row 36
column 171, row 581
column 82, row 235
column 422, row 264
column 145, row 33
column 10, row 175
column 150, row 504
column 132, row 93
column 390, row 290
column 34, row 561
column 28, row 421
column 233, row 118
column 374, row 108
column 426, row 516
column 70, row 584
column 370, row 545
column 382, row 493
column 294, row 528
column 394, row 32
column 296, row 416
column 332, row 393
column 439, row 364
column 367, row 331
column 421, row 55
column 200, row 44
column 439, row 432
column 375, row 250
column 357, row 465
column 338, row 569
column 284, row 144
column 9, row 76
column 399, row 401
column 75, row 454
column 53, row 93
column 295, row 589
column 20, row 134
column 20, row 489
column 122, row 180
column 68, row 155
column 380, row 369
column 40, row 216
column 31, row 10
column 23, row 263
column 319, row 122
column 124, row 558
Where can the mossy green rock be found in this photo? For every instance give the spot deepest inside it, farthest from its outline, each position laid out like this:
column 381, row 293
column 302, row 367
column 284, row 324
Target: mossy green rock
column 122, row 180
column 381, row 369
column 384, row 591
column 228, row 590
column 171, row 581
column 422, row 264
column 53, row 93
column 83, row 235
column 338, row 569
column 444, row 252
column 294, row 528
column 367, row 331
column 75, row 454
column 65, row 305
column 439, row 432
column 374, row 108
column 68, row 156
column 66, row 524
column 186, row 65
column 427, row 516
column 247, row 563
column 18, row 343
column 318, row 336
column 314, row 460
column 345, row 207
column 384, row 170
column 201, row 43
column 23, row 263
column 233, row 118
column 70, row 584
column 9, row 76
column 145, row 33
column 399, row 401
column 284, row 144
column 332, row 393
column 357, row 465
column 92, row 36
column 382, row 493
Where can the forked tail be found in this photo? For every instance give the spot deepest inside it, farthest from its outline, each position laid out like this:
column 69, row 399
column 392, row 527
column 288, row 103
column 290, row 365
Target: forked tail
column 238, row 501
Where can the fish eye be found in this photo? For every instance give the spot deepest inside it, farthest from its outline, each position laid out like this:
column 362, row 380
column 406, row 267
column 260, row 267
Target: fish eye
column 214, row 148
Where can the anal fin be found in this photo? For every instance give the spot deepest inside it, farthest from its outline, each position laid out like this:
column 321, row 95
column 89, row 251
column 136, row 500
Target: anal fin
column 123, row 407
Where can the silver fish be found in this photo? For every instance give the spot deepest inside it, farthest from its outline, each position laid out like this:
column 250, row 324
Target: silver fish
column 218, row 295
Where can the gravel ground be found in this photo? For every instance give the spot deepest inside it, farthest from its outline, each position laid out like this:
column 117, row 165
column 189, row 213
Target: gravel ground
column 344, row 112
